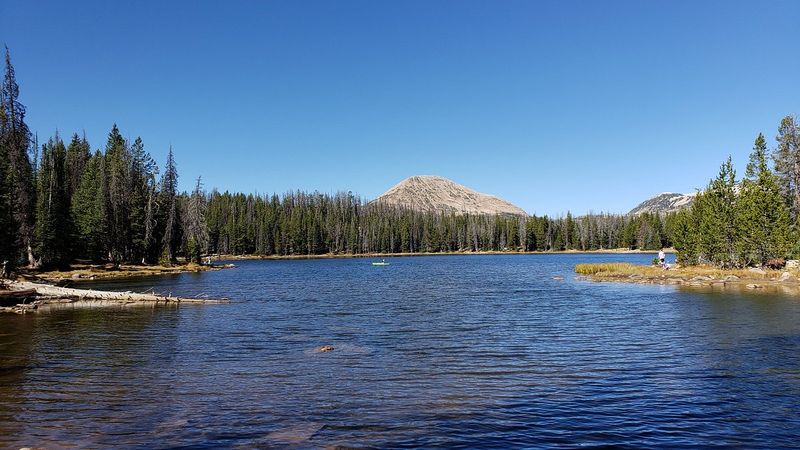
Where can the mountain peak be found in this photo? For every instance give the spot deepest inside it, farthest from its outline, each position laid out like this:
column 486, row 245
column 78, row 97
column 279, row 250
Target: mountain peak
column 665, row 202
column 435, row 193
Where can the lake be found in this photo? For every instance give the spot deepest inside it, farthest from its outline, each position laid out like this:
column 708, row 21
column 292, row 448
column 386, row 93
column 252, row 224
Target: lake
column 451, row 351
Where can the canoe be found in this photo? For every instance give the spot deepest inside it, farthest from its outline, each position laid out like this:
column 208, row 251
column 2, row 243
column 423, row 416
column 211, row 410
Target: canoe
column 380, row 264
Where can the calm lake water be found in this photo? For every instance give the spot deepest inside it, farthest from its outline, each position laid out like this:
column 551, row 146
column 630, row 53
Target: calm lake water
column 452, row 351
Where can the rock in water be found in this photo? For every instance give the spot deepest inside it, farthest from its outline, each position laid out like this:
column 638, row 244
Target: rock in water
column 325, row 348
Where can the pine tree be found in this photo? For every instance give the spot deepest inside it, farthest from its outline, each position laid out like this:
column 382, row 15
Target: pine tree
column 19, row 177
column 196, row 226
column 88, row 211
column 78, row 154
column 764, row 223
column 168, row 205
column 714, row 212
column 683, row 231
column 8, row 251
column 117, row 162
column 52, row 212
column 143, row 172
column 787, row 163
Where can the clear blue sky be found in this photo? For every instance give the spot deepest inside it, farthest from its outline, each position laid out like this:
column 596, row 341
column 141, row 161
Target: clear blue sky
column 555, row 106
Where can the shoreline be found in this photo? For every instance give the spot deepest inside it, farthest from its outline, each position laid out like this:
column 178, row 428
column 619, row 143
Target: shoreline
column 753, row 279
column 91, row 272
column 621, row 251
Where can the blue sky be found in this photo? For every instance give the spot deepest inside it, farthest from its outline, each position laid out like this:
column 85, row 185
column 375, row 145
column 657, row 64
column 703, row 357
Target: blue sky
column 554, row 106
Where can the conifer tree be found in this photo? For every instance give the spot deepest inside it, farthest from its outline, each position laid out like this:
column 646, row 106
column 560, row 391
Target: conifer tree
column 196, row 226
column 88, row 211
column 682, row 230
column 117, row 163
column 716, row 216
column 8, row 251
column 764, row 224
column 19, row 177
column 168, row 205
column 787, row 163
column 52, row 212
column 142, row 178
column 78, row 154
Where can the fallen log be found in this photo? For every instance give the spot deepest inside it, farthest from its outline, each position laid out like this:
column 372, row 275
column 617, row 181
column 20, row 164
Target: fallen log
column 19, row 293
column 50, row 291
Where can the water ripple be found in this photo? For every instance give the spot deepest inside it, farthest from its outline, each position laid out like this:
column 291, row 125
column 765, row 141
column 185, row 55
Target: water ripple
column 459, row 352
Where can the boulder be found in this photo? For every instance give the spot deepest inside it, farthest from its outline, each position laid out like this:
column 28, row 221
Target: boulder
column 792, row 264
column 754, row 286
column 758, row 270
column 786, row 276
column 731, row 278
column 701, row 278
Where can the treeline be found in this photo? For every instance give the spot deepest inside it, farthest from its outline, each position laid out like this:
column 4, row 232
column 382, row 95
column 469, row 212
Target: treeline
column 300, row 223
column 739, row 223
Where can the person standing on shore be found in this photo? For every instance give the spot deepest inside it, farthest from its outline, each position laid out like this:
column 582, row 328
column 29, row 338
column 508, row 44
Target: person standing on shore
column 661, row 257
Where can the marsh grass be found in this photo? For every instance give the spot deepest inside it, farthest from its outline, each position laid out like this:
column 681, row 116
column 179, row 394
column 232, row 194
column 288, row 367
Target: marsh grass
column 618, row 269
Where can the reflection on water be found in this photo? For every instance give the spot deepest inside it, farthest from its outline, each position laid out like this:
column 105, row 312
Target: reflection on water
column 453, row 351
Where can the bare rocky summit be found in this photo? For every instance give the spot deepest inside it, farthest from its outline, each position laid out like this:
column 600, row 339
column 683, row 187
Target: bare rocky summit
column 432, row 193
column 664, row 203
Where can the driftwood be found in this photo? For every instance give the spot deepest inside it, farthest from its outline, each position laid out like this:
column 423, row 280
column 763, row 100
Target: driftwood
column 19, row 293
column 45, row 294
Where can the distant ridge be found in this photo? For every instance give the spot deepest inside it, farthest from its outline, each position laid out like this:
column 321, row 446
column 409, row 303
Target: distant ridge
column 432, row 193
column 664, row 203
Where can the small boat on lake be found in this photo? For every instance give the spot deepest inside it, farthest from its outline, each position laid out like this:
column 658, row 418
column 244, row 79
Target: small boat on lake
column 380, row 263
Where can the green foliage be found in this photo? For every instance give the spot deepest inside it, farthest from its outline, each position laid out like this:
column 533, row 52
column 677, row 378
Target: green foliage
column 732, row 225
column 88, row 211
column 787, row 163
column 168, row 205
column 53, row 222
column 764, row 223
column 19, row 172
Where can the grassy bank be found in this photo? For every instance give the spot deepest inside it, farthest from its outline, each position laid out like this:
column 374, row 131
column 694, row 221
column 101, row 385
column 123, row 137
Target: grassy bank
column 690, row 276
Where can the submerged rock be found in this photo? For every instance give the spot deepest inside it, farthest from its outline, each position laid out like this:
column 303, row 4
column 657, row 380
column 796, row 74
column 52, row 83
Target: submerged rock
column 324, row 349
column 754, row 286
